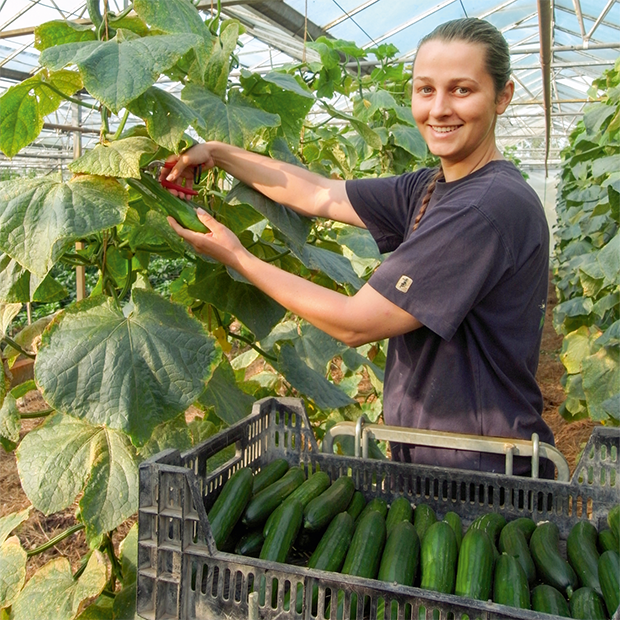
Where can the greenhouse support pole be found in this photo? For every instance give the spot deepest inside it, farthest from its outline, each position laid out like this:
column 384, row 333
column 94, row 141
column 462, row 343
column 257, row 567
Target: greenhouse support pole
column 544, row 27
column 80, row 271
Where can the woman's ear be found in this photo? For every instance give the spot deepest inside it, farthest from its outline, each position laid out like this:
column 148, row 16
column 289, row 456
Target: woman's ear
column 505, row 97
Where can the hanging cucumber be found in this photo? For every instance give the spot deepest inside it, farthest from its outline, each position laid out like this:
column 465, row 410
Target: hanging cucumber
column 157, row 197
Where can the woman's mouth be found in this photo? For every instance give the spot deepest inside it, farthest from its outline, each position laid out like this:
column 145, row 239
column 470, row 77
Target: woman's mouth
column 444, row 129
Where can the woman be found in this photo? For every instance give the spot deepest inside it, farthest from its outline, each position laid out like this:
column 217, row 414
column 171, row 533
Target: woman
column 462, row 294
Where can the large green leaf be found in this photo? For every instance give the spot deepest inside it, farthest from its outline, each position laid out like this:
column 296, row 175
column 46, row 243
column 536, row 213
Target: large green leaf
column 279, row 93
column 309, row 382
column 230, row 403
column 605, row 165
column 19, row 285
column 11, row 521
column 118, row 71
column 293, row 226
column 66, row 456
column 130, row 371
column 10, row 422
column 336, row 266
column 253, row 308
column 58, row 32
column 575, row 347
column 172, row 434
column 316, row 348
column 165, row 115
column 12, row 570
column 370, row 137
column 173, row 16
column 53, row 594
column 121, row 158
column 111, row 494
column 410, row 139
column 7, row 313
column 609, row 260
column 234, row 122
column 215, row 76
column 41, row 218
column 24, row 106
column 601, row 380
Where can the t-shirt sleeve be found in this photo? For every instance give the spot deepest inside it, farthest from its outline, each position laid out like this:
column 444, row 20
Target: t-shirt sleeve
column 441, row 271
column 385, row 205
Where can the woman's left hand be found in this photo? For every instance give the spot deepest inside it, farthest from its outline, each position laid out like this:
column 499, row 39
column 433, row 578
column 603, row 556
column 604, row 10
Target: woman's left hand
column 220, row 243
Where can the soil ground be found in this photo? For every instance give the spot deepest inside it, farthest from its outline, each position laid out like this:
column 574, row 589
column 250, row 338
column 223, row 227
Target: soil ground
column 38, row 529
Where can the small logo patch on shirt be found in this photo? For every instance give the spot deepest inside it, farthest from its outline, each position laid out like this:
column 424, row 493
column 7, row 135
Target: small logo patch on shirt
column 404, row 283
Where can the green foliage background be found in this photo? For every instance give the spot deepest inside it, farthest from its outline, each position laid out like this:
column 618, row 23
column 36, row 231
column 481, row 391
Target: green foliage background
column 587, row 259
column 162, row 328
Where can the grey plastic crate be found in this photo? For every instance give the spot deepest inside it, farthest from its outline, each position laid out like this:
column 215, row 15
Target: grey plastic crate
column 182, row 576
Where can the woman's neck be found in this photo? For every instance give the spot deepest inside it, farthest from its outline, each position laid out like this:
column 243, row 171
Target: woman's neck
column 453, row 171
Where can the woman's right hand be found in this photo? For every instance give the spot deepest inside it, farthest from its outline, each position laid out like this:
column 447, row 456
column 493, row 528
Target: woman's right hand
column 183, row 166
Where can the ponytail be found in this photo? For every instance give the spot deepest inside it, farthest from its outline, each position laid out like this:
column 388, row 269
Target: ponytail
column 438, row 176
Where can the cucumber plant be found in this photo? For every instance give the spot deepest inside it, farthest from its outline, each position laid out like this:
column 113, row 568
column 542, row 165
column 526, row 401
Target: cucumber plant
column 120, row 367
column 586, row 266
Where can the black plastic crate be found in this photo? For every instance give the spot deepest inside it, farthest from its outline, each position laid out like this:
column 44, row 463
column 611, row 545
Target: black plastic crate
column 182, row 576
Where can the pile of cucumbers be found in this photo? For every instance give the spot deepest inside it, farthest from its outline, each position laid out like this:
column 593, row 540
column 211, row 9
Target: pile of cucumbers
column 278, row 512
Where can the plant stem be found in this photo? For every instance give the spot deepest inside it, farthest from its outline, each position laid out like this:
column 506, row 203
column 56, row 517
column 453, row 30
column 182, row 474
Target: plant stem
column 71, row 99
column 54, row 541
column 119, row 131
column 37, row 414
column 127, row 285
column 249, row 342
column 273, row 259
column 13, row 344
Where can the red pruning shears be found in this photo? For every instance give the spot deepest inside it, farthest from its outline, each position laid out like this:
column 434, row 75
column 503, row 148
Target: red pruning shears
column 158, row 165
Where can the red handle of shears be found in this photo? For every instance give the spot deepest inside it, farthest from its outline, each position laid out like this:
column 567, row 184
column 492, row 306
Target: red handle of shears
column 178, row 188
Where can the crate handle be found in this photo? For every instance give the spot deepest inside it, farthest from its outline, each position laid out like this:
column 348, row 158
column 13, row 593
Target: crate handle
column 443, row 439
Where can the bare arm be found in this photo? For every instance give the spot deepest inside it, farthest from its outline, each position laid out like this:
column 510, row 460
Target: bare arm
column 303, row 191
column 365, row 317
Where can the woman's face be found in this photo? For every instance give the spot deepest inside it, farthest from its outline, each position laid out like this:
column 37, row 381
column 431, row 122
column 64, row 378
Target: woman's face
column 455, row 105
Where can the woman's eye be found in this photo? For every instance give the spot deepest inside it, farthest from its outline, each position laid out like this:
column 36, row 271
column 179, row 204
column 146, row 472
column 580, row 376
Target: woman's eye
column 425, row 90
column 462, row 90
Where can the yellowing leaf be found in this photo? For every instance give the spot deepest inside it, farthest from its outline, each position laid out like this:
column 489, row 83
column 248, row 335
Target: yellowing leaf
column 53, row 594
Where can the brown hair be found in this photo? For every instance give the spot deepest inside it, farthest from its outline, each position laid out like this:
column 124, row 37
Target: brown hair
column 497, row 64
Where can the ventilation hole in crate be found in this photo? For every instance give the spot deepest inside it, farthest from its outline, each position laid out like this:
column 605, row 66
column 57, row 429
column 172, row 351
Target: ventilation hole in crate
column 481, row 494
column 250, row 584
column 603, row 479
column 294, row 421
column 238, row 586
column 277, row 417
column 502, row 497
column 171, row 529
column 226, row 593
column 192, row 581
column 592, row 453
column 579, row 510
column 589, row 507
column 287, row 596
column 216, row 580
column 205, row 578
column 285, row 439
column 612, row 477
column 293, row 441
column 286, row 418
column 603, row 453
column 277, row 438
column 590, row 475
column 490, row 496
column 435, row 492
column 613, row 453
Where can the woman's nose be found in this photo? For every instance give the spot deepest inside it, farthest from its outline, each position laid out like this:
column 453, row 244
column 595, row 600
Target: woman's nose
column 441, row 105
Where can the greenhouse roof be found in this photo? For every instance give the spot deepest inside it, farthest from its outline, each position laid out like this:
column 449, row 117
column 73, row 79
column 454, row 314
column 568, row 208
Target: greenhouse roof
column 580, row 39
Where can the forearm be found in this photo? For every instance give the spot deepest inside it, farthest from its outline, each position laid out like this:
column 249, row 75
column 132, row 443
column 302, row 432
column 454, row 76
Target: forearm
column 354, row 320
column 303, row 191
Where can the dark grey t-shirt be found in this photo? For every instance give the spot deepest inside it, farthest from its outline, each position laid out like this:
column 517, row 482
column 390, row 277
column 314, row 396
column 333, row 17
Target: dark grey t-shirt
column 475, row 274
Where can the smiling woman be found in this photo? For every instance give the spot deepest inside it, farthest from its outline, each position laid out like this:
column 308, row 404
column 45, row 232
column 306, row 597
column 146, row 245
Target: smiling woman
column 462, row 295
